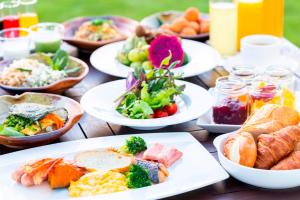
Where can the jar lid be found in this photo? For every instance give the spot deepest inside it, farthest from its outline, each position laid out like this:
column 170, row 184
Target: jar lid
column 278, row 72
column 227, row 84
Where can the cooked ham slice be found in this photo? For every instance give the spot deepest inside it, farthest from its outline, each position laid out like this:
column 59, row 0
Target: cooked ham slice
column 162, row 154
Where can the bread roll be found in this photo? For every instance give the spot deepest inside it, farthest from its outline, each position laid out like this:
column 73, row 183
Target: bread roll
column 270, row 118
column 241, row 148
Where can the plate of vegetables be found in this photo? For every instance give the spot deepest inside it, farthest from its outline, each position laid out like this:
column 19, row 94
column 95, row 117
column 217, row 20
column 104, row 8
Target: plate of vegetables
column 33, row 119
column 129, row 167
column 146, row 49
column 148, row 99
column 42, row 72
column 90, row 33
column 190, row 24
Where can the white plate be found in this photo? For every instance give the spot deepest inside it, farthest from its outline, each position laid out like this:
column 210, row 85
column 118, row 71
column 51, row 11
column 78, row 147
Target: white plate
column 206, row 122
column 202, row 58
column 196, row 169
column 99, row 102
column 270, row 179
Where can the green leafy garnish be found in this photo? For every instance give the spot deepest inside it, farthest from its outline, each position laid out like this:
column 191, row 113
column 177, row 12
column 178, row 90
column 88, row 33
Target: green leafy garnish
column 24, row 70
column 99, row 22
column 17, row 122
column 137, row 177
column 60, row 60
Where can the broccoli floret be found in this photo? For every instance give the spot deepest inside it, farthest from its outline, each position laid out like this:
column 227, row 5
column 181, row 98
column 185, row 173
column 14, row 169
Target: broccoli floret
column 134, row 145
column 137, row 177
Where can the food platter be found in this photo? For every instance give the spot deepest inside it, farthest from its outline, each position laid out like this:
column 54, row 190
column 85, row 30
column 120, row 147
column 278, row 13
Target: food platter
column 202, row 59
column 125, row 25
column 80, row 70
column 73, row 108
column 191, row 104
column 188, row 174
column 153, row 21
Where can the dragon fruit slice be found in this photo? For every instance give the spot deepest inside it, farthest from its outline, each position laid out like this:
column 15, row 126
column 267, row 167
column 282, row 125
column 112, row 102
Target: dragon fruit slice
column 161, row 47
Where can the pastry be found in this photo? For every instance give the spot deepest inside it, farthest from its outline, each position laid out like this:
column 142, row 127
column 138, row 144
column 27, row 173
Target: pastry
column 275, row 146
column 288, row 163
column 241, row 148
column 270, row 118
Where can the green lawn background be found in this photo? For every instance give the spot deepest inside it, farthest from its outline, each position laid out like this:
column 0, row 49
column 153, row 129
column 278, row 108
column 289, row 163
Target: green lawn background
column 61, row 10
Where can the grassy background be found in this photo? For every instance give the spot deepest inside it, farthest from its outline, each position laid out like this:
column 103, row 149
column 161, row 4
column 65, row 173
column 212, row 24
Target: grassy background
column 60, row 10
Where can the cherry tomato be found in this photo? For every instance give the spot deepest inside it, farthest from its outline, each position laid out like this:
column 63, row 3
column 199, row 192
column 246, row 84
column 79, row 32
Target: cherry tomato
column 160, row 114
column 171, row 109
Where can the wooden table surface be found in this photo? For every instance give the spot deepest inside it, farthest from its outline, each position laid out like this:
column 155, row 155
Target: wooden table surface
column 89, row 127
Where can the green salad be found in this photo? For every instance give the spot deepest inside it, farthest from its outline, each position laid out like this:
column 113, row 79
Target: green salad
column 151, row 94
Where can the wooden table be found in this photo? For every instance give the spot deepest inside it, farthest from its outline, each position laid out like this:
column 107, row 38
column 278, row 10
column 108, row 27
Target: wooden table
column 89, row 127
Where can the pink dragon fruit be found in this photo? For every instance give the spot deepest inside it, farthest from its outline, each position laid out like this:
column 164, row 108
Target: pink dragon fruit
column 161, row 47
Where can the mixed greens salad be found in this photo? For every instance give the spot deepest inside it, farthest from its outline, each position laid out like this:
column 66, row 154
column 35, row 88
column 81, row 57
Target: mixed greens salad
column 151, row 94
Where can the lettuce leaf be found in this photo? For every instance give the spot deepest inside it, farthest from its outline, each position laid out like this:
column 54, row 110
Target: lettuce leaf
column 158, row 99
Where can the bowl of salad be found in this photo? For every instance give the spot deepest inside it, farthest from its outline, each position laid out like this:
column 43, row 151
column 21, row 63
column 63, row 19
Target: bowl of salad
column 33, row 119
column 90, row 33
column 53, row 73
column 148, row 100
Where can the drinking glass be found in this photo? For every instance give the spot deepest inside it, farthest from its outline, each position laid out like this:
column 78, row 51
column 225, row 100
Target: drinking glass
column 223, row 26
column 47, row 37
column 28, row 16
column 13, row 44
column 11, row 11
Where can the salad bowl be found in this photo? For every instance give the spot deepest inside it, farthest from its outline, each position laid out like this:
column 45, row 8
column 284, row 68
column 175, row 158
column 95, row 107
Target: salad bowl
column 58, row 86
column 193, row 102
column 73, row 109
column 125, row 25
column 202, row 58
column 270, row 179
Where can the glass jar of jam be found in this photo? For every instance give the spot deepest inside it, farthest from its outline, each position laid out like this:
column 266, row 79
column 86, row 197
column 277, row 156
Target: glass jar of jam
column 264, row 91
column 243, row 73
column 232, row 101
column 286, row 81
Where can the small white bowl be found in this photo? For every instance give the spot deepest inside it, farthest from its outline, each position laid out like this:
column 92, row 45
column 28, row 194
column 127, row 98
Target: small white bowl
column 270, row 179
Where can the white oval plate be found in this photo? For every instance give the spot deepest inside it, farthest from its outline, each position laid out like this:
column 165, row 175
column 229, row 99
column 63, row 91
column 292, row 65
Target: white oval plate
column 202, row 58
column 99, row 102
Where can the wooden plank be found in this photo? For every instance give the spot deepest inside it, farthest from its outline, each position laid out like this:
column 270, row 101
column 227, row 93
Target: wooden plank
column 209, row 78
column 93, row 127
column 74, row 134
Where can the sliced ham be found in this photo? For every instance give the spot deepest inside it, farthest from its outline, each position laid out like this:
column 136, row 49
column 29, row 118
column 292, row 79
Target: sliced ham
column 160, row 153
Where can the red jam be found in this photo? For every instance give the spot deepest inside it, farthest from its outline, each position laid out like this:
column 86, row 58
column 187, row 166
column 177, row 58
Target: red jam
column 231, row 112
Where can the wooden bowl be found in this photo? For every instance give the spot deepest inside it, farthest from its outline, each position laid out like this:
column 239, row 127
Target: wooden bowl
column 74, row 114
column 57, row 87
column 153, row 22
column 125, row 25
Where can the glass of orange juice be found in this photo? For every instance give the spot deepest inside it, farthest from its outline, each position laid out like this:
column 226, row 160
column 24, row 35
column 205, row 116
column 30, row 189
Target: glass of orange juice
column 28, row 16
column 273, row 16
column 223, row 26
column 250, row 18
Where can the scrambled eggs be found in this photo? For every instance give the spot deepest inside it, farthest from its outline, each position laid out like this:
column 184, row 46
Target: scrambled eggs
column 98, row 182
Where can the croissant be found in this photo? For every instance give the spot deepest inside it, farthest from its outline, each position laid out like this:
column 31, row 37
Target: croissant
column 241, row 148
column 275, row 146
column 288, row 163
column 270, row 118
